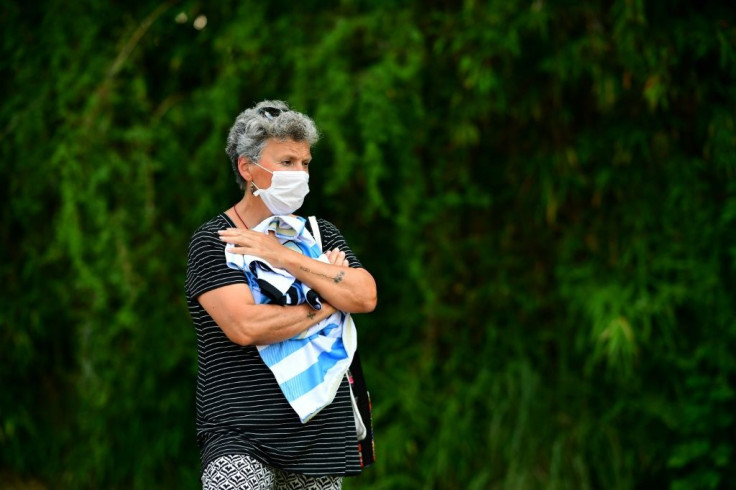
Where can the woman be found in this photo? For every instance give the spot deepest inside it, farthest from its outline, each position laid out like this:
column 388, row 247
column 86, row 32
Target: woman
column 249, row 436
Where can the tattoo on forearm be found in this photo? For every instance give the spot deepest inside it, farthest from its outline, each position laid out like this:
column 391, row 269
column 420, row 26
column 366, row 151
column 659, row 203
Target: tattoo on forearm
column 311, row 315
column 337, row 279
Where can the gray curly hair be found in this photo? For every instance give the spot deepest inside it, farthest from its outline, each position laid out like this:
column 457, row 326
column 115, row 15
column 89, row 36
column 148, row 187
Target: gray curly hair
column 254, row 126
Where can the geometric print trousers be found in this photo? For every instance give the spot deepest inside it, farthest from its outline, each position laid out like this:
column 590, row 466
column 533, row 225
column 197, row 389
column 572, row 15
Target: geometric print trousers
column 241, row 472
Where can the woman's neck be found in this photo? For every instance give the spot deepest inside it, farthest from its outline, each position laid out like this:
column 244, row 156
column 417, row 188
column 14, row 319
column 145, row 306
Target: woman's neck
column 250, row 209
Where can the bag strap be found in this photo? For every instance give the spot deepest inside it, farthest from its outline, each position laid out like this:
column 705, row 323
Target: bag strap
column 315, row 231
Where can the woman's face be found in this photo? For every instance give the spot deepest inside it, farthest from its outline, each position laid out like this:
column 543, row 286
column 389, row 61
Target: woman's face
column 280, row 155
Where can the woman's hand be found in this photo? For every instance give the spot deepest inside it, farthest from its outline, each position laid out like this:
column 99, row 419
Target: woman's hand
column 337, row 257
column 347, row 289
column 268, row 248
column 256, row 243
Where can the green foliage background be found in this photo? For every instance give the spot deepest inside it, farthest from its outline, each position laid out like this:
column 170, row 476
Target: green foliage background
column 544, row 191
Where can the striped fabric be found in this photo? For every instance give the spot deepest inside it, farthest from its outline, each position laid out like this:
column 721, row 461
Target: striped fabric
column 240, row 407
column 310, row 366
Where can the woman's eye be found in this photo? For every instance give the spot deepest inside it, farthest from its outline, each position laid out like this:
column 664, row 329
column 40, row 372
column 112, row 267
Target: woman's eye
column 306, row 164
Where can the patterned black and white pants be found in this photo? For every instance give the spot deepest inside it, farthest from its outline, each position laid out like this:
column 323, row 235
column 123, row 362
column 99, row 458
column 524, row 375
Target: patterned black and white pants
column 239, row 472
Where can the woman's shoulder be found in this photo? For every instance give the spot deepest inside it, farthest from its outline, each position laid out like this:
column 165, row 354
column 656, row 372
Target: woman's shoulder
column 206, row 235
column 218, row 222
column 326, row 227
column 325, row 224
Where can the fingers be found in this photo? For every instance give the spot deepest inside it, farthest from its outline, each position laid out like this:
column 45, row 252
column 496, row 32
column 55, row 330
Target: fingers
column 333, row 255
column 243, row 237
column 240, row 250
column 244, row 242
column 337, row 257
column 230, row 235
column 328, row 308
column 229, row 231
column 255, row 243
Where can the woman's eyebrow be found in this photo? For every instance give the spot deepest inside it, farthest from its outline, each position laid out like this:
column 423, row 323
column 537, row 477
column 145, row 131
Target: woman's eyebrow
column 293, row 156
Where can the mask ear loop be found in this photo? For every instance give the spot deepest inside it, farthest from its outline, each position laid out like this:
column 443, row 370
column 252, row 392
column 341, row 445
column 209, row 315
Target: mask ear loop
column 253, row 186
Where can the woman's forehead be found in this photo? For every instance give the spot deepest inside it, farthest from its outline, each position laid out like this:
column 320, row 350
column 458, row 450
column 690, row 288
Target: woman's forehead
column 294, row 148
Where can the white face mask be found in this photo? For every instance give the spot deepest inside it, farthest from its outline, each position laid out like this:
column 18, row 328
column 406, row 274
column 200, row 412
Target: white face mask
column 287, row 192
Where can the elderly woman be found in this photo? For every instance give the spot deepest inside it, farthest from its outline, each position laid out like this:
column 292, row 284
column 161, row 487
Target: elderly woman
column 249, row 435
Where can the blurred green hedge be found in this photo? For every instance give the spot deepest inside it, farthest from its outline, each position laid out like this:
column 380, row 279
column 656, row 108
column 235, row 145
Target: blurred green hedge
column 544, row 191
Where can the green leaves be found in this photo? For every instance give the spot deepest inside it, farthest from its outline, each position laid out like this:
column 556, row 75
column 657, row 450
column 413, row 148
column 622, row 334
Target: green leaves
column 545, row 194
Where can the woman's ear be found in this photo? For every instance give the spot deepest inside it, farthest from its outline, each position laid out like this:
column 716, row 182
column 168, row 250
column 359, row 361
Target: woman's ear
column 244, row 168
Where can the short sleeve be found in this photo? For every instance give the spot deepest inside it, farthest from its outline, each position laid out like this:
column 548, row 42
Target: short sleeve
column 332, row 238
column 206, row 265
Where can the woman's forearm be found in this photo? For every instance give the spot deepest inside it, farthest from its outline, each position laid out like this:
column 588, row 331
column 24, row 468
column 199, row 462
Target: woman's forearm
column 347, row 289
column 246, row 323
column 267, row 324
column 352, row 290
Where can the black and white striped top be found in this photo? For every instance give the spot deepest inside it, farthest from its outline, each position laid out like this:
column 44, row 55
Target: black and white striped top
column 240, row 408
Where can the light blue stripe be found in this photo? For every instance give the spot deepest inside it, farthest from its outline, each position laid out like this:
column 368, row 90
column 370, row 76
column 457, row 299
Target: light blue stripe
column 314, row 251
column 255, row 289
column 314, row 375
column 276, row 352
column 304, row 249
